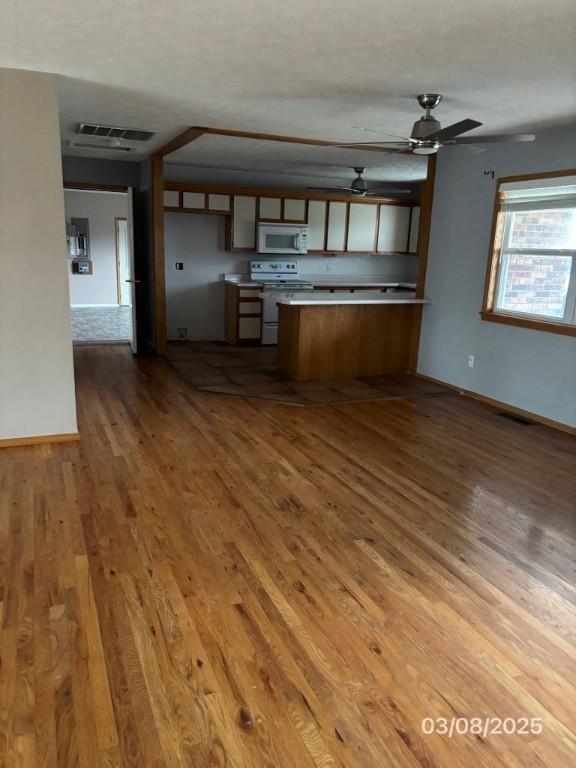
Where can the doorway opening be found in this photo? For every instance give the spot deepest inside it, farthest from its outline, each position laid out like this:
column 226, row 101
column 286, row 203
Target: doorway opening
column 99, row 235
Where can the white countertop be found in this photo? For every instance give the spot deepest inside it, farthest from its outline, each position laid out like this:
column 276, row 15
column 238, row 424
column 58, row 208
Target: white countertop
column 320, row 298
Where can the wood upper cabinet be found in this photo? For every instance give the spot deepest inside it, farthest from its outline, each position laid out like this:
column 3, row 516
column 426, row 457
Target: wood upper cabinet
column 414, row 229
column 393, row 229
column 270, row 208
column 316, row 224
column 336, row 237
column 362, row 227
column 244, row 223
column 294, row 210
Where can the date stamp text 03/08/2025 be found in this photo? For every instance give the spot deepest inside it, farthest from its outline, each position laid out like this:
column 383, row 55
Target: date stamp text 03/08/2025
column 482, row 726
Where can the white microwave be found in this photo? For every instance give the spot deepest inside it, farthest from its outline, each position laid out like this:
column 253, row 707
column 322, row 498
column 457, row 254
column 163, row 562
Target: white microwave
column 282, row 238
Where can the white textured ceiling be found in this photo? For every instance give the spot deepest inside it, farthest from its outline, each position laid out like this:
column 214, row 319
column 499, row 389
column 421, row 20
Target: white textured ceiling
column 304, row 67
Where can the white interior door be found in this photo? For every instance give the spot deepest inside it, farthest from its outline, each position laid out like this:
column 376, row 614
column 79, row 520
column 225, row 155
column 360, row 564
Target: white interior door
column 131, row 278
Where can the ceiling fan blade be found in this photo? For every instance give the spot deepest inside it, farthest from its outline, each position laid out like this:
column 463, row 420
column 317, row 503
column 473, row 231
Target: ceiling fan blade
column 335, row 189
column 385, row 133
column 388, row 191
column 451, row 131
column 502, row 137
column 373, row 144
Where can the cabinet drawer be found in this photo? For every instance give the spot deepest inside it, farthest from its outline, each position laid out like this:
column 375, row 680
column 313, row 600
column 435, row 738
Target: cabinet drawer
column 249, row 308
column 249, row 293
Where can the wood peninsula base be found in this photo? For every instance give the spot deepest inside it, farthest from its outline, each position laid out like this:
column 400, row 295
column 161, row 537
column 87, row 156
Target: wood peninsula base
column 341, row 341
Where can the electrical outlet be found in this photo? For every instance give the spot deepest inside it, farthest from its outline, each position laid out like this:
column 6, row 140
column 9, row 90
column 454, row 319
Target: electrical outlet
column 182, row 333
column 470, row 361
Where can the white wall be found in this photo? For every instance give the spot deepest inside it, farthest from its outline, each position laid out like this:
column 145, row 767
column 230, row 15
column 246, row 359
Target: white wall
column 195, row 296
column 529, row 369
column 36, row 369
column 99, row 208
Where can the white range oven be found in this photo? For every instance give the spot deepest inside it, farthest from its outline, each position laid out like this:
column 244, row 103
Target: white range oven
column 282, row 239
column 275, row 275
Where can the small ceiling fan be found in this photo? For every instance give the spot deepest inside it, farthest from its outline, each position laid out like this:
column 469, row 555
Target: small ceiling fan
column 428, row 136
column 359, row 187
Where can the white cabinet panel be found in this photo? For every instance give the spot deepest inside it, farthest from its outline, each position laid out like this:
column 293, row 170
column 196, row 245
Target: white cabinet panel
column 336, row 226
column 316, row 225
column 414, row 229
column 249, row 328
column 244, row 222
column 219, row 203
column 393, row 229
column 254, row 293
column 362, row 227
column 270, row 208
column 171, row 198
column 194, row 200
column 294, row 210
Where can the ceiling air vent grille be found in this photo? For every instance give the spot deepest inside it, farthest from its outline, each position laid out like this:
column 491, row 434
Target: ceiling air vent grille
column 113, row 132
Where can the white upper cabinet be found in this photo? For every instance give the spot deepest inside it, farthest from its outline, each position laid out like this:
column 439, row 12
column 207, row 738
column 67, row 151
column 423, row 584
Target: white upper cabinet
column 362, row 224
column 294, row 210
column 336, row 240
column 270, row 208
column 414, row 229
column 393, row 228
column 194, row 200
column 244, row 222
column 316, row 225
column 219, row 203
column 171, row 198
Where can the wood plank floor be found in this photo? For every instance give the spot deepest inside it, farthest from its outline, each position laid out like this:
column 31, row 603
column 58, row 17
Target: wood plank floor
column 208, row 581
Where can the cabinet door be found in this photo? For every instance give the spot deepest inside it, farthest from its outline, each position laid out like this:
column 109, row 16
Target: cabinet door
column 336, row 240
column 194, row 200
column 294, row 210
column 414, row 229
column 393, row 228
column 219, row 203
column 270, row 208
column 171, row 198
column 316, row 225
column 249, row 328
column 362, row 225
column 244, row 223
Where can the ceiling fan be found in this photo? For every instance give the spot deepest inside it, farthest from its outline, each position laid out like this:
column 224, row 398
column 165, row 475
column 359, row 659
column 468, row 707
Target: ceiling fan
column 359, row 187
column 428, row 136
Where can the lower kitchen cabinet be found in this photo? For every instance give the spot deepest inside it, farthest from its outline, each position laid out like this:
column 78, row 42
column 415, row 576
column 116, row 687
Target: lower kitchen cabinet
column 243, row 323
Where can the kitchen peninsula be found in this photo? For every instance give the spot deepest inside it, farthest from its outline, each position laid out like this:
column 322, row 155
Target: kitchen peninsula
column 331, row 335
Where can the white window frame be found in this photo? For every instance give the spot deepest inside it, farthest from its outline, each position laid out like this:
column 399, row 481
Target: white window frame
column 569, row 317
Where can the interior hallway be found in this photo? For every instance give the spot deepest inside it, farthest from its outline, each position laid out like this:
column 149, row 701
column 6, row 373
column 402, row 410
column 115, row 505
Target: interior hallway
column 211, row 581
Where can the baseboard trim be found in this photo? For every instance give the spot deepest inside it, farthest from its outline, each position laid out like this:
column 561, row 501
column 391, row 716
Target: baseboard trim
column 501, row 405
column 13, row 442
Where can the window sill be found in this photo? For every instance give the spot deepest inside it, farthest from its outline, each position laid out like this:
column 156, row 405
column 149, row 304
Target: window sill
column 535, row 325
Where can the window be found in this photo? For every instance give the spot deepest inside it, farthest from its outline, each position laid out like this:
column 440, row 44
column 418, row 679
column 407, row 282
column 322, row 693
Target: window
column 532, row 271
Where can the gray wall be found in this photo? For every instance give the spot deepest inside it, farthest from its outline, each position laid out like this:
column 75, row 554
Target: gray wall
column 529, row 369
column 195, row 296
column 95, row 171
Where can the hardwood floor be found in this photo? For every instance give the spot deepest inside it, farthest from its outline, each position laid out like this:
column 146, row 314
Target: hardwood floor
column 211, row 581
